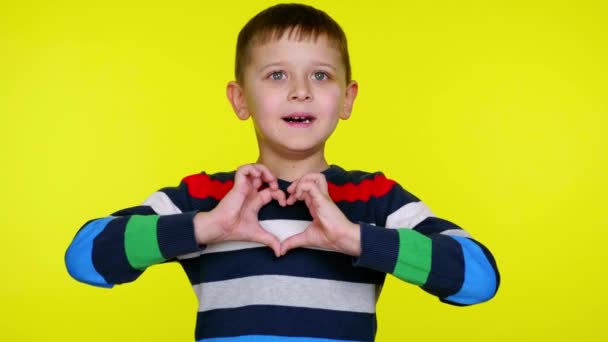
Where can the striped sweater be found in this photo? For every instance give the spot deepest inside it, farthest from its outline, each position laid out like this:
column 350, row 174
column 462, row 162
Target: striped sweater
column 245, row 293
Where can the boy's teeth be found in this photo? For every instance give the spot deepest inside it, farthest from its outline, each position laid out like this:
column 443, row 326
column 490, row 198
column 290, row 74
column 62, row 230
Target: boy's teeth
column 303, row 119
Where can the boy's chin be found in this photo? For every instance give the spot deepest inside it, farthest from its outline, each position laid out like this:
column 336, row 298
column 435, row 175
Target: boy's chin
column 299, row 149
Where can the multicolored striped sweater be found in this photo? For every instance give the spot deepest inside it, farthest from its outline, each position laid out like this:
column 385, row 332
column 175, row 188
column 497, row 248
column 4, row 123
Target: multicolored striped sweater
column 245, row 293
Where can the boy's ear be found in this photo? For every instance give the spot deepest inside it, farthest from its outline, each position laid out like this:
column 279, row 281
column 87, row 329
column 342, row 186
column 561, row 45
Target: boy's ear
column 236, row 96
column 351, row 94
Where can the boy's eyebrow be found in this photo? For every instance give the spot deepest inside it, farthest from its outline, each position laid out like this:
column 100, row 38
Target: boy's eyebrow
column 316, row 63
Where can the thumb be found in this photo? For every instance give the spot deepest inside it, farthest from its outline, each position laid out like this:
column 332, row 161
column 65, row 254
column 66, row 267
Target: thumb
column 294, row 241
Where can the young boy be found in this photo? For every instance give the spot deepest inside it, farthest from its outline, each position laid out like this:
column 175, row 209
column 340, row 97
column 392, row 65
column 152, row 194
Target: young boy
column 289, row 247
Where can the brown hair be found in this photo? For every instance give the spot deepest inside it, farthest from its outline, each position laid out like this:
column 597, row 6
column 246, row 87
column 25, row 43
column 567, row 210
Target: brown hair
column 298, row 20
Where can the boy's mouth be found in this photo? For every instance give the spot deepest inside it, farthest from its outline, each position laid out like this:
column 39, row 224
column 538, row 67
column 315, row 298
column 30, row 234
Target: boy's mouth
column 299, row 119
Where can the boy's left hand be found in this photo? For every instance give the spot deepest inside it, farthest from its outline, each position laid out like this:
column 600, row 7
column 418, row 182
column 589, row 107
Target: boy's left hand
column 329, row 228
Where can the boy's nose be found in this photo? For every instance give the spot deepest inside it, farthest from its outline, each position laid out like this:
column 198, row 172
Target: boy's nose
column 300, row 91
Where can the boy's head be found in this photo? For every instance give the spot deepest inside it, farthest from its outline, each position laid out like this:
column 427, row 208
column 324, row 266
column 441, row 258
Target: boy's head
column 293, row 79
column 298, row 22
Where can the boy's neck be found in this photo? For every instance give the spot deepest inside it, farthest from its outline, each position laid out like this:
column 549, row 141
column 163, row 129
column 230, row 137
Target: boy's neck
column 292, row 169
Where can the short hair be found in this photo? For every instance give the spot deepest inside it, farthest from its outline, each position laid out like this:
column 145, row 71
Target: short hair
column 298, row 20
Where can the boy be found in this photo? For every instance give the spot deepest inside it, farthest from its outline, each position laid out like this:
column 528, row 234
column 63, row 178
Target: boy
column 289, row 247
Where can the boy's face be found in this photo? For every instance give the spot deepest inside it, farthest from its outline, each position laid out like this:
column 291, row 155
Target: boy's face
column 296, row 92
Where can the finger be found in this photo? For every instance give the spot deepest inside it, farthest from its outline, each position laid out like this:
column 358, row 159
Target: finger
column 291, row 189
column 279, row 196
column 309, row 202
column 244, row 173
column 312, row 190
column 292, row 186
column 318, row 179
column 303, row 186
column 256, row 182
column 248, row 170
column 294, row 241
column 267, row 176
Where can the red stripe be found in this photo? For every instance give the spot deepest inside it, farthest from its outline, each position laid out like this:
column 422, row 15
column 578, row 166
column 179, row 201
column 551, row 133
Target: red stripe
column 350, row 192
column 202, row 186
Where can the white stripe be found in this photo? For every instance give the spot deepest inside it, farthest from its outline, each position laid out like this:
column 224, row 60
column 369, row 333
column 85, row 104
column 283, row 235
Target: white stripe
column 162, row 204
column 282, row 229
column 409, row 215
column 456, row 232
column 287, row 291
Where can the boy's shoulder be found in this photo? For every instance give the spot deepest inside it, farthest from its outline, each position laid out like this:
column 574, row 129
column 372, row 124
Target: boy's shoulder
column 340, row 176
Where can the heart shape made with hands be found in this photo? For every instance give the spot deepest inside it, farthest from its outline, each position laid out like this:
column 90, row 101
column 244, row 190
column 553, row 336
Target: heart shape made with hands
column 328, row 230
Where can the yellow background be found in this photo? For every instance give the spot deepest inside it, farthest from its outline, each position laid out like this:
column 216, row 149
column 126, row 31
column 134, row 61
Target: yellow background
column 492, row 112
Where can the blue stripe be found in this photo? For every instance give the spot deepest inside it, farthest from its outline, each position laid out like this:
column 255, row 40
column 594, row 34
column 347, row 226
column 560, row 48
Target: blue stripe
column 79, row 256
column 272, row 320
column 479, row 278
column 300, row 262
column 267, row 338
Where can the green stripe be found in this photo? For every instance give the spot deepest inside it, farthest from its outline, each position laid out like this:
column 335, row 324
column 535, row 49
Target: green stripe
column 414, row 259
column 141, row 242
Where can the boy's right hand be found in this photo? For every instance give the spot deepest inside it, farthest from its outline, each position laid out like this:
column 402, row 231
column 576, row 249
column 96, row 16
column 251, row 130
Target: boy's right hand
column 235, row 218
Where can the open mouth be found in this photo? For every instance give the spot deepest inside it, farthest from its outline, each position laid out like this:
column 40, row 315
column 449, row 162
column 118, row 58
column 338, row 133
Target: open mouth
column 299, row 119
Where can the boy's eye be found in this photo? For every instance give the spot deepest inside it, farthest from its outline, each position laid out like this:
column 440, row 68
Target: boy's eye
column 277, row 75
column 320, row 76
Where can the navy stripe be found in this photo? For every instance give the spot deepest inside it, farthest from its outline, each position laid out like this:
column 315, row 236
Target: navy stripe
column 223, row 176
column 447, row 267
column 273, row 211
column 434, row 225
column 359, row 211
column 356, row 211
column 192, row 268
column 286, row 321
column 385, row 205
column 339, row 176
column 299, row 262
column 109, row 256
column 179, row 196
column 137, row 210
column 175, row 234
column 204, row 204
column 379, row 248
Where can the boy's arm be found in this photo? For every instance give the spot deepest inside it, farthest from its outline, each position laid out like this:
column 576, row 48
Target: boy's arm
column 428, row 251
column 118, row 248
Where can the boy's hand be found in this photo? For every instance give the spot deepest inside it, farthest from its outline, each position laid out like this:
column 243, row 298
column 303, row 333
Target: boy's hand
column 329, row 229
column 235, row 218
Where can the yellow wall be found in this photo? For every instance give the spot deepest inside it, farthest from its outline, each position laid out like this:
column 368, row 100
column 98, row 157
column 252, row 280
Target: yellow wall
column 494, row 113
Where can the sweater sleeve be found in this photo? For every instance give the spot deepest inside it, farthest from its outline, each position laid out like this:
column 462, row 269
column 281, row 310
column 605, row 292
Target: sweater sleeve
column 118, row 248
column 416, row 246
